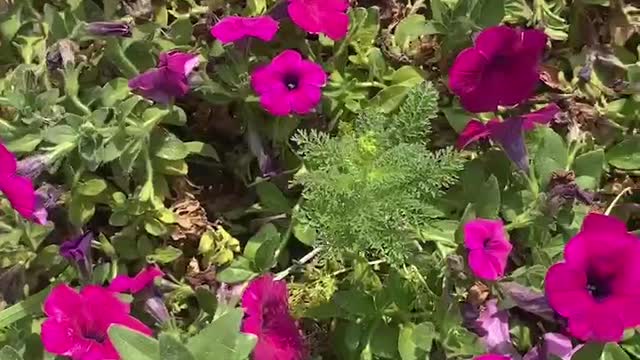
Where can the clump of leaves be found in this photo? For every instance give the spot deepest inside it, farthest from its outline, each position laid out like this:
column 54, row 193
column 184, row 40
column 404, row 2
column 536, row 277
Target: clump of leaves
column 369, row 189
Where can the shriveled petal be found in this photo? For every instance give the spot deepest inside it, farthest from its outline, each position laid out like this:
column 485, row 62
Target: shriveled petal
column 8, row 162
column 566, row 290
column 495, row 324
column 125, row 283
column 59, row 336
column 312, row 74
column 276, row 103
column 509, row 135
column 529, row 300
column 304, row 99
column 498, row 40
column 472, row 132
column 542, row 116
column 150, row 85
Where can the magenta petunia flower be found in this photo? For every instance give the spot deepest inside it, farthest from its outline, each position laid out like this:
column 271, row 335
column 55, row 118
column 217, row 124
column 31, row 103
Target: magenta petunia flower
column 488, row 248
column 265, row 302
column 133, row 285
column 18, row 189
column 327, row 17
column 596, row 287
column 501, row 69
column 289, row 84
column 169, row 80
column 234, row 28
column 77, row 323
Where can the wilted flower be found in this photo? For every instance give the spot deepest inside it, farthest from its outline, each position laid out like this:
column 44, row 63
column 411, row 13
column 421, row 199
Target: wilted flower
column 142, row 285
column 107, row 28
column 596, row 287
column 265, row 302
column 168, row 80
column 552, row 344
column 488, row 248
column 327, row 17
column 47, row 197
column 234, row 28
column 61, row 54
column 77, row 323
column 18, row 189
column 527, row 299
column 32, row 166
column 78, row 252
column 492, row 357
column 508, row 133
column 501, row 69
column 494, row 325
column 289, row 84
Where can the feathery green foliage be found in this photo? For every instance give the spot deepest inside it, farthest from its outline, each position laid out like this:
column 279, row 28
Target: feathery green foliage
column 366, row 190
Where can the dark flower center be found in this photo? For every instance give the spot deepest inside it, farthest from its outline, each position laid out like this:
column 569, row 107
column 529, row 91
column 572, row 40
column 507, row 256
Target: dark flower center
column 598, row 286
column 291, row 81
column 485, row 243
column 95, row 336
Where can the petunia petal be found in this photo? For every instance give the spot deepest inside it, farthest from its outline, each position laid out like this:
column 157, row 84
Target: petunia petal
column 472, row 132
column 542, row 116
column 336, row 26
column 312, row 74
column 602, row 323
column 465, row 76
column 21, row 195
column 8, row 162
column 276, row 103
column 285, row 61
column 497, row 40
column 566, row 290
column 304, row 99
column 59, row 336
column 63, row 302
column 484, row 265
column 133, row 285
column 509, row 135
column 477, row 231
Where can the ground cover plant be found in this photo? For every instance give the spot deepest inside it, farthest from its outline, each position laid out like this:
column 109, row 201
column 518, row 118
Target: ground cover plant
column 319, row 179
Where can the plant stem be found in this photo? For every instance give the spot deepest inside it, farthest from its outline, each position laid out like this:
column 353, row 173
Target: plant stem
column 303, row 260
column 615, row 201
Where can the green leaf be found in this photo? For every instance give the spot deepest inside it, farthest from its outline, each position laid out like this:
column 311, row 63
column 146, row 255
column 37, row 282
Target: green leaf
column 613, row 351
column 487, row 200
column 410, row 29
column 9, row 353
column 114, row 92
column 256, row 7
column 133, row 345
column 407, row 76
column 217, row 340
column 207, row 300
column 244, row 346
column 272, row 198
column 305, row 233
column 267, row 233
column 28, row 307
column 488, row 13
column 173, row 349
column 165, row 255
column 155, row 227
column 389, row 98
column 237, row 272
column 181, row 31
column 355, row 302
column 590, row 165
column 92, row 187
column 590, row 351
column 626, row 154
column 384, row 341
column 57, row 28
column 202, row 149
column 25, row 144
column 171, row 148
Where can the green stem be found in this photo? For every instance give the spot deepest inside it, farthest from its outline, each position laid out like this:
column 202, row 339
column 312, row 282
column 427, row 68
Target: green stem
column 615, row 201
column 79, row 105
column 117, row 56
column 573, row 151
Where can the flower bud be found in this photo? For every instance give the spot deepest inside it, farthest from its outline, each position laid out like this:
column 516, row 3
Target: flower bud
column 106, row 28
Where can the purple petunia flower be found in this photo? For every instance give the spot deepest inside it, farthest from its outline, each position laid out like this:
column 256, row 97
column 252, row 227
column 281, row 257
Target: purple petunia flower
column 488, row 248
column 17, row 189
column 289, row 84
column 501, row 69
column 107, row 28
column 234, row 28
column 327, row 17
column 77, row 323
column 78, row 252
column 169, row 80
column 508, row 133
column 494, row 325
column 596, row 287
column 47, row 197
column 265, row 302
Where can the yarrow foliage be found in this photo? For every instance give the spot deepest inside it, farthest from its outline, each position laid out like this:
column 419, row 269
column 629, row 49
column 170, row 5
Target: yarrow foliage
column 366, row 190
